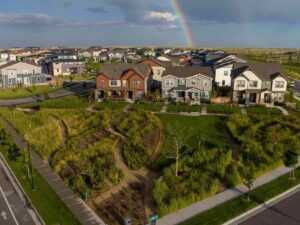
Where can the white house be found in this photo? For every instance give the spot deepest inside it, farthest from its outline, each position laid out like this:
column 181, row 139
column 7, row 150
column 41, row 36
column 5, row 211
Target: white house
column 258, row 83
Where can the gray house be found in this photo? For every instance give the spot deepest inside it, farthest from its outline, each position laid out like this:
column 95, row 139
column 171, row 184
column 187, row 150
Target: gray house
column 189, row 84
column 19, row 73
column 65, row 67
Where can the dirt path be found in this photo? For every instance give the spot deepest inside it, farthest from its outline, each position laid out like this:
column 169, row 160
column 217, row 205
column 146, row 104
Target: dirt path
column 142, row 175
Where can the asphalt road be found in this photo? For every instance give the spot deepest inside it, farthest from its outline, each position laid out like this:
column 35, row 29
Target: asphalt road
column 286, row 212
column 12, row 209
column 297, row 86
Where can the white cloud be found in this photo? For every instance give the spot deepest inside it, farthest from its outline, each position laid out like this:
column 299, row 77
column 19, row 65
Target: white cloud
column 165, row 16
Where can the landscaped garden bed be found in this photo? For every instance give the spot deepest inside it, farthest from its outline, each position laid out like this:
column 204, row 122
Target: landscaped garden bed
column 223, row 109
column 182, row 107
column 260, row 109
column 149, row 106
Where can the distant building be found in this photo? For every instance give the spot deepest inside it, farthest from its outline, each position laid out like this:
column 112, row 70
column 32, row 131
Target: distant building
column 65, row 67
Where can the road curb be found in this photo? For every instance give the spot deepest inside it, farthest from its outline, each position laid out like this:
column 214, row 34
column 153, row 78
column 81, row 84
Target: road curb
column 20, row 191
column 252, row 212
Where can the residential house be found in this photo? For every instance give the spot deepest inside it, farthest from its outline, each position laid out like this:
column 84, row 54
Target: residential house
column 157, row 67
column 258, row 83
column 65, row 67
column 189, row 84
column 4, row 55
column 129, row 81
column 223, row 67
column 19, row 73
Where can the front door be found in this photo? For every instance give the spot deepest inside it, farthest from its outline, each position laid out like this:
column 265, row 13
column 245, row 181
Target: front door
column 130, row 94
column 190, row 94
column 252, row 98
column 267, row 98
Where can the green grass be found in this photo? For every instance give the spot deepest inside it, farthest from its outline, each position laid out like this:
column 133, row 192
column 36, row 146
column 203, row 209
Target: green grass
column 183, row 108
column 149, row 106
column 48, row 204
column 227, row 109
column 263, row 110
column 110, row 105
column 66, row 102
column 13, row 93
column 210, row 129
column 235, row 207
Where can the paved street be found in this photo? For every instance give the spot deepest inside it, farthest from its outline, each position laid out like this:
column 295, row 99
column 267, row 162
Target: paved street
column 12, row 210
column 286, row 212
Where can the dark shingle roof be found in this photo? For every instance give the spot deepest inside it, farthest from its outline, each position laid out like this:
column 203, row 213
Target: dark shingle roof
column 115, row 71
column 265, row 71
column 187, row 71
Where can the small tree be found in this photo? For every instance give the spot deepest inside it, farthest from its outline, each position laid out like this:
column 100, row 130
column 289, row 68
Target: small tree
column 249, row 177
column 179, row 137
column 290, row 160
column 157, row 95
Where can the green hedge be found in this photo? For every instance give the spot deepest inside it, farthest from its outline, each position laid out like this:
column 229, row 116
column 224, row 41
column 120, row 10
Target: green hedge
column 226, row 109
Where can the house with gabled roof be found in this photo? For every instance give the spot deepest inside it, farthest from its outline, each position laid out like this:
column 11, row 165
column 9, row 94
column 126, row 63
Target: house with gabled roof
column 189, row 84
column 129, row 81
column 258, row 83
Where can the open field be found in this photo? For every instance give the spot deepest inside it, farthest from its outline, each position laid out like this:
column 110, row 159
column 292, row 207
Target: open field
column 23, row 92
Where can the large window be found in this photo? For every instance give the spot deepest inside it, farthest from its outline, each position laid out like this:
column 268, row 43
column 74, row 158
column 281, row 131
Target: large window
column 169, row 82
column 113, row 83
column 193, row 82
column 279, row 84
column 205, row 83
column 124, row 83
column 181, row 82
column 240, row 83
column 135, row 82
column 226, row 73
column 253, row 84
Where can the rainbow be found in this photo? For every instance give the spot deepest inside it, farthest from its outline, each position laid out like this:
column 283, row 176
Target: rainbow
column 183, row 23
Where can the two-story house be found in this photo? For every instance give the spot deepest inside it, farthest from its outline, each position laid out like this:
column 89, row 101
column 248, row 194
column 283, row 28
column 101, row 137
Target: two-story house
column 65, row 67
column 258, row 83
column 129, row 81
column 157, row 67
column 189, row 84
column 16, row 73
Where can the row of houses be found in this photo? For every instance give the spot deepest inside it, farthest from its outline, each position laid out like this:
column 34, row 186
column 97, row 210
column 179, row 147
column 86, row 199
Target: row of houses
column 257, row 83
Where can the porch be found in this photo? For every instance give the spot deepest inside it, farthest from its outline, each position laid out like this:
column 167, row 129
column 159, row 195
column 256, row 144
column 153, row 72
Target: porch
column 190, row 95
column 119, row 94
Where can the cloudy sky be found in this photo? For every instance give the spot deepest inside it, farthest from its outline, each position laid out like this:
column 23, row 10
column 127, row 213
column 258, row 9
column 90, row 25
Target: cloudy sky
column 249, row 23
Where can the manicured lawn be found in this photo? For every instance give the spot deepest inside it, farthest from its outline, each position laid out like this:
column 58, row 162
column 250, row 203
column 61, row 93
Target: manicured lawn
column 26, row 91
column 209, row 129
column 183, row 108
column 228, row 210
column 75, row 77
column 263, row 110
column 66, row 102
column 149, row 106
column 48, row 204
column 226, row 109
column 110, row 105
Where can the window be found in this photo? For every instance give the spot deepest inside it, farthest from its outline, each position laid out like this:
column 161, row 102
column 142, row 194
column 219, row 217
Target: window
column 33, row 71
column 225, row 73
column 279, row 84
column 136, row 83
column 101, row 83
column 158, row 72
column 193, row 82
column 181, row 81
column 124, row 83
column 278, row 96
column 169, row 82
column 253, row 84
column 205, row 83
column 240, row 83
column 223, row 82
column 38, row 79
column 10, row 81
column 113, row 83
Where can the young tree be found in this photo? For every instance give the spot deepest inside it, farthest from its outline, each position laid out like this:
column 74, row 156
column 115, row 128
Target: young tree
column 290, row 160
column 249, row 178
column 179, row 137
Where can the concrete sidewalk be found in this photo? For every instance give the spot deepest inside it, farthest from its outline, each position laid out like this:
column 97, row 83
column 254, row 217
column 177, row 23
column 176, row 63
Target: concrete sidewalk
column 78, row 207
column 201, row 206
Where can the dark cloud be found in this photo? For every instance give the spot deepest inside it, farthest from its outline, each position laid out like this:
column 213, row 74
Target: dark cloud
column 242, row 11
column 66, row 4
column 96, row 9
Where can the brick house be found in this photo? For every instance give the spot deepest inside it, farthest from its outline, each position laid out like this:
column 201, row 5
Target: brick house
column 127, row 81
